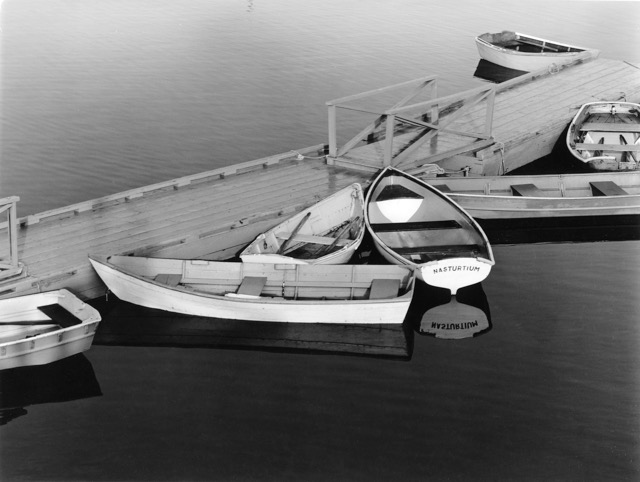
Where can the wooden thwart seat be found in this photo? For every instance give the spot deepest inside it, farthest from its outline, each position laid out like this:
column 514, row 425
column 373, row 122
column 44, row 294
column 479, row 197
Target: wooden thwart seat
column 416, row 226
column 308, row 238
column 529, row 190
column 384, row 288
column 59, row 315
column 445, row 249
column 609, row 127
column 609, row 147
column 606, row 188
column 252, row 285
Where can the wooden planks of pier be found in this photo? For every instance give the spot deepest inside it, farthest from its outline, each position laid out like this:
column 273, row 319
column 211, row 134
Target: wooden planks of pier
column 212, row 215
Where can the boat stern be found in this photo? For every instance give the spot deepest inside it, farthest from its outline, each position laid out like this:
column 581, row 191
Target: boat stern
column 455, row 273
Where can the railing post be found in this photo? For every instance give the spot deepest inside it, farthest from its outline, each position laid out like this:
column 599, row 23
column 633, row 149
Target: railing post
column 13, row 235
column 488, row 122
column 333, row 142
column 388, row 142
column 12, row 267
column 435, row 112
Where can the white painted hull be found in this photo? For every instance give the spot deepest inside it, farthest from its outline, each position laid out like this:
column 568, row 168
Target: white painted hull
column 450, row 273
column 324, row 216
column 453, row 270
column 502, row 207
column 530, row 61
column 560, row 195
column 45, row 343
column 615, row 144
column 145, row 292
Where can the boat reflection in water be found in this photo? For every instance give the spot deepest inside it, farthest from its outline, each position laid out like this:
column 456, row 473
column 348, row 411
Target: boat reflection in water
column 124, row 323
column 65, row 380
column 451, row 317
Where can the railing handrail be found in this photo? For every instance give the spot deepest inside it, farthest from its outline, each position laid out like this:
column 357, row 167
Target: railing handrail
column 173, row 183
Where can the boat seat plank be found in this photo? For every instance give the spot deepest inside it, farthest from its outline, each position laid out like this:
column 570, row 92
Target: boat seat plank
column 168, row 279
column 445, row 249
column 609, row 147
column 607, row 188
column 308, row 238
column 610, row 127
column 442, row 188
column 416, row 226
column 252, row 285
column 529, row 190
column 384, row 289
column 59, row 315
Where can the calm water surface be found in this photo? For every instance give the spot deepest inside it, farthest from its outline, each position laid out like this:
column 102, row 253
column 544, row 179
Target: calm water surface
column 100, row 96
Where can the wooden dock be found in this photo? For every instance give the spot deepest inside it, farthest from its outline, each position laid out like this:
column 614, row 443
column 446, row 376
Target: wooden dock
column 488, row 131
column 213, row 214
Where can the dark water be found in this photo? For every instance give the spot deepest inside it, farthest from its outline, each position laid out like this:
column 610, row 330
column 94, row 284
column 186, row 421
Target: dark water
column 550, row 392
column 101, row 96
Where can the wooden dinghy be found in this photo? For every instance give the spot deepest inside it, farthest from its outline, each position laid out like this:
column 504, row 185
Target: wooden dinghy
column 515, row 50
column 261, row 291
column 606, row 136
column 544, row 196
column 414, row 224
column 44, row 327
column 329, row 232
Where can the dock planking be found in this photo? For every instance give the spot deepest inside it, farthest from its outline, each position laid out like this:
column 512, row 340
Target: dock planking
column 212, row 218
column 212, row 215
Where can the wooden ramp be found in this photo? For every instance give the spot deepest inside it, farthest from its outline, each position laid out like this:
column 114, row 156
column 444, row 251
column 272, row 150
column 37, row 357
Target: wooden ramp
column 210, row 216
column 491, row 130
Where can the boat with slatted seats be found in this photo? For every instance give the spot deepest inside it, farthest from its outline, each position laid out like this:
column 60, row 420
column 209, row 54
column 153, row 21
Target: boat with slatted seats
column 329, row 232
column 526, row 53
column 414, row 224
column 544, row 196
column 272, row 292
column 605, row 136
column 41, row 328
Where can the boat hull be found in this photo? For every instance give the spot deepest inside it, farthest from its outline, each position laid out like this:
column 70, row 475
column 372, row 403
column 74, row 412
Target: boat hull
column 529, row 61
column 503, row 207
column 605, row 136
column 190, row 301
column 43, row 343
column 556, row 195
column 440, row 240
column 340, row 214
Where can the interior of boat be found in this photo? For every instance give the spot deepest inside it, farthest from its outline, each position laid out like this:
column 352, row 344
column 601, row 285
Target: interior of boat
column 421, row 225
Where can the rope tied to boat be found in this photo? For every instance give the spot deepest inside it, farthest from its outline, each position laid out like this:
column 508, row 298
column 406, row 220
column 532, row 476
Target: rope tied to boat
column 302, row 157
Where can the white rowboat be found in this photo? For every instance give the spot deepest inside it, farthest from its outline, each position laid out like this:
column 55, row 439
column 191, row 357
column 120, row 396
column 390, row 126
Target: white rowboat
column 261, row 291
column 41, row 328
column 414, row 224
column 544, row 196
column 328, row 232
column 606, row 136
column 527, row 53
